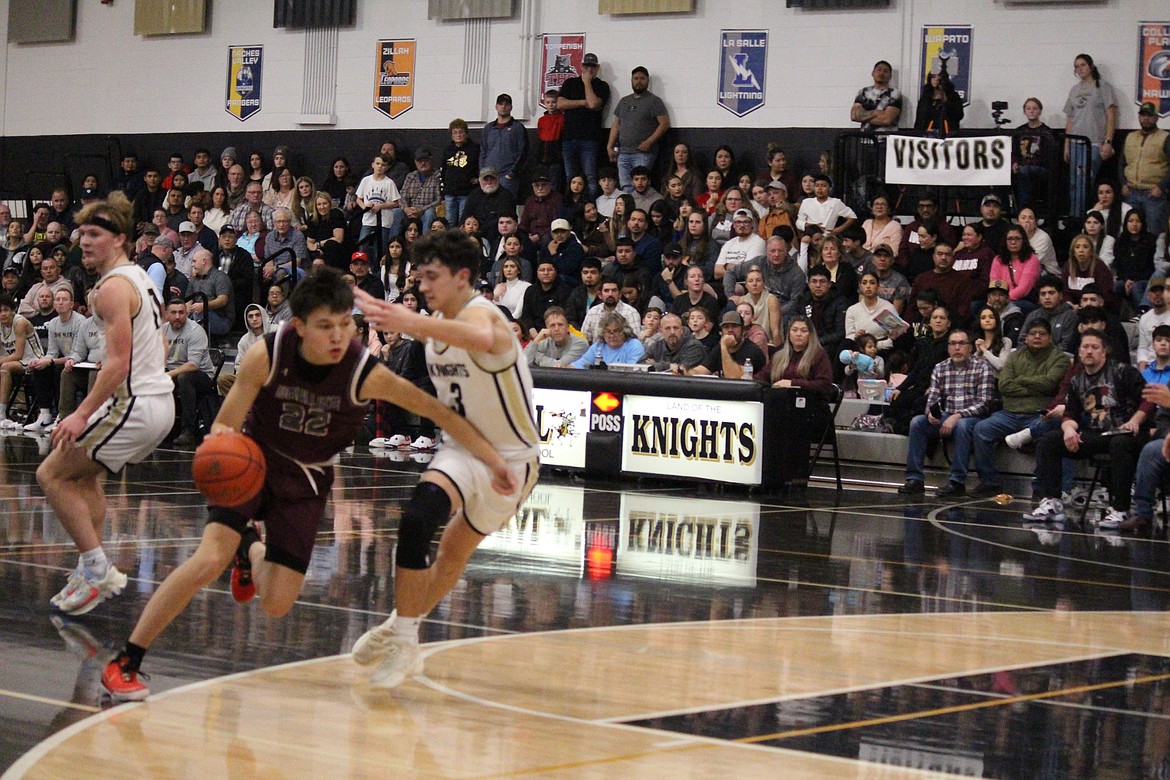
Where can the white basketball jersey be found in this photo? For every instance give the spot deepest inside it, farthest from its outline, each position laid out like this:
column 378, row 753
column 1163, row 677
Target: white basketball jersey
column 497, row 401
column 148, row 357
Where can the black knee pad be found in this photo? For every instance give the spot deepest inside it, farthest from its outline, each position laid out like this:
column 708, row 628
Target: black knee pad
column 429, row 506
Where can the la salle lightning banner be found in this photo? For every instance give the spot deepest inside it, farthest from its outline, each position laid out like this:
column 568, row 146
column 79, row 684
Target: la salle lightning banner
column 243, row 81
column 394, row 79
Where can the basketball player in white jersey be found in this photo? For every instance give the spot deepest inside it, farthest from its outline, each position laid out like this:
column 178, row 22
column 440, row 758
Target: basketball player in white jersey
column 479, row 371
column 128, row 411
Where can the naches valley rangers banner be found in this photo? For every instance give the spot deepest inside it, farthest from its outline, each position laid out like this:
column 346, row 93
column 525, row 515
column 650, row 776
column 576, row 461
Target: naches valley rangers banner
column 245, row 65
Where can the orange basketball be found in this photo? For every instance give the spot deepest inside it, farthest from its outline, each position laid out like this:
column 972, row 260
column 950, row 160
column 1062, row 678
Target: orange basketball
column 229, row 469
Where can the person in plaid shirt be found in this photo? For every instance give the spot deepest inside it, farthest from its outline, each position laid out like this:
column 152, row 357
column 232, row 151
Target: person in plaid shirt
column 960, row 394
column 422, row 191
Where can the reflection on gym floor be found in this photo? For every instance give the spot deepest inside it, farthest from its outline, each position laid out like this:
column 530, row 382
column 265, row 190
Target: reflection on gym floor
column 585, row 555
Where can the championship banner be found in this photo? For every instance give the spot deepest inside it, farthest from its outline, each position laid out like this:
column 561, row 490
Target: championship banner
column 394, row 77
column 718, row 439
column 743, row 59
column 949, row 45
column 243, row 81
column 560, row 59
column 981, row 161
column 1153, row 76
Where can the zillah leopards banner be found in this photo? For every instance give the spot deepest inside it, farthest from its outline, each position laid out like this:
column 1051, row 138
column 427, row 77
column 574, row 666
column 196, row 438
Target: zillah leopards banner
column 394, row 79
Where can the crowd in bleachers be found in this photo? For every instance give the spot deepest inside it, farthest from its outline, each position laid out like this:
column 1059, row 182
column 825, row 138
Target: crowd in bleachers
column 658, row 260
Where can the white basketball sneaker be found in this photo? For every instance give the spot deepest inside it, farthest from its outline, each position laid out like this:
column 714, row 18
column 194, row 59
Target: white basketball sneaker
column 370, row 647
column 87, row 592
column 402, row 660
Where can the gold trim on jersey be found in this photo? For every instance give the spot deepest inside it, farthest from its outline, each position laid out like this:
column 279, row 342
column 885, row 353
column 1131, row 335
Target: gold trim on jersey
column 516, row 409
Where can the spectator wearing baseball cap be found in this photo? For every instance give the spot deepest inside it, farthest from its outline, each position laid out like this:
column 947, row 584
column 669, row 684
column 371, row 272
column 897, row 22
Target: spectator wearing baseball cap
column 743, row 245
column 488, row 202
column 1145, row 169
column 734, row 350
column 780, row 210
column 359, row 266
column 993, row 225
column 504, row 145
column 422, row 190
column 564, row 251
column 1158, row 314
column 582, row 99
column 540, row 209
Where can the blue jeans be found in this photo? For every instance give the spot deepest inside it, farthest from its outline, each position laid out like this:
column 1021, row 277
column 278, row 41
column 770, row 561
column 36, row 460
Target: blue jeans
column 628, row 161
column 1154, row 208
column 989, row 432
column 509, row 182
column 1151, row 468
column 580, row 158
column 1031, row 182
column 1083, row 162
column 922, row 431
column 1136, row 295
column 453, row 209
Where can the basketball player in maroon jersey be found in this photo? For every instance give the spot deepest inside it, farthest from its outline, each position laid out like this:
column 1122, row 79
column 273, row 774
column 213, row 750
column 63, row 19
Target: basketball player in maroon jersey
column 302, row 394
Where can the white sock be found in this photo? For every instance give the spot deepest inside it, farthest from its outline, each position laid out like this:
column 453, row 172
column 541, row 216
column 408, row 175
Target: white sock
column 95, row 562
column 3, row 411
column 46, row 416
column 408, row 627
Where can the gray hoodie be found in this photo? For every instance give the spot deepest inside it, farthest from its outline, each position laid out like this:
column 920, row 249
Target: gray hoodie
column 249, row 338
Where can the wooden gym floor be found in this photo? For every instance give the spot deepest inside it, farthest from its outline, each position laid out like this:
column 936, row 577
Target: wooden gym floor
column 643, row 630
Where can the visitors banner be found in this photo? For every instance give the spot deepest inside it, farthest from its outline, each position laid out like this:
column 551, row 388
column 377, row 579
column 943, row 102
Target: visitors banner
column 956, row 162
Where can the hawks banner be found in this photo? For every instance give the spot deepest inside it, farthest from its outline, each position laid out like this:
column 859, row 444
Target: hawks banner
column 394, row 79
column 949, row 47
column 1153, row 76
column 243, row 80
column 743, row 59
column 560, row 59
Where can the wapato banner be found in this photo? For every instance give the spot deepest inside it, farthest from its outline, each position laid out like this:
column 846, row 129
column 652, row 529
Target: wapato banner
column 971, row 161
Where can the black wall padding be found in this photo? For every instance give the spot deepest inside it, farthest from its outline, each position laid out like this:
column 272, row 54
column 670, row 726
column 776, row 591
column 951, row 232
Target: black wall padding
column 314, row 13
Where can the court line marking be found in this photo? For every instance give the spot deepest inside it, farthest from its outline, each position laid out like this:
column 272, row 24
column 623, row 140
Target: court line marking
column 29, row 760
column 932, row 518
column 1066, row 704
column 46, row 700
column 801, row 696
column 937, row 711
